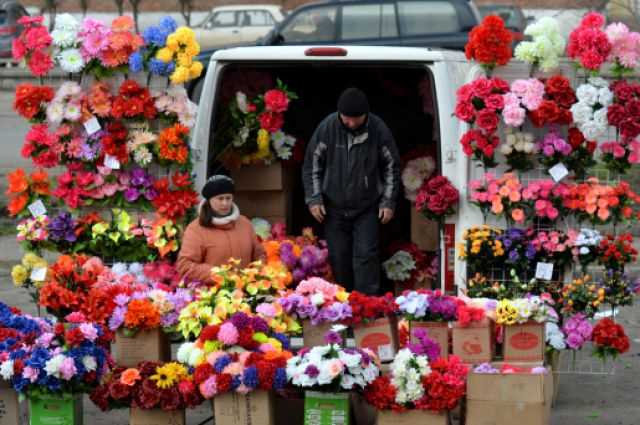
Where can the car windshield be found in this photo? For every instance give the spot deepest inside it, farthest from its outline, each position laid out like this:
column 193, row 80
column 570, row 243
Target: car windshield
column 508, row 14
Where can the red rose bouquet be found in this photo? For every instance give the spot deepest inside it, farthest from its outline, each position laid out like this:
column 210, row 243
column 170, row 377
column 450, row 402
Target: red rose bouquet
column 615, row 252
column 365, row 308
column 588, row 44
column 555, row 108
column 114, row 141
column 31, row 101
column 133, row 102
column 609, row 339
column 624, row 112
column 32, row 45
column 490, row 43
column 42, row 146
column 151, row 385
column 437, row 198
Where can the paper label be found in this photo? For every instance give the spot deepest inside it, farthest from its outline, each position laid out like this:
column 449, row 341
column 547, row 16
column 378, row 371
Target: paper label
column 111, row 162
column 38, row 274
column 544, row 271
column 351, row 343
column 558, row 172
column 385, row 352
column 297, row 342
column 92, row 126
column 37, row 208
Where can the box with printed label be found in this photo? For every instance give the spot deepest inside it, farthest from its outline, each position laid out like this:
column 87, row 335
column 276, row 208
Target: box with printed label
column 496, row 399
column 412, row 417
column 437, row 331
column 152, row 345
column 56, row 410
column 380, row 336
column 313, row 335
column 255, row 408
column 474, row 343
column 524, row 342
column 326, row 408
column 156, row 417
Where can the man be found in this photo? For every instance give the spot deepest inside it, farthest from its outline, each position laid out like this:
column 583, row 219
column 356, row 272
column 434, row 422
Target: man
column 351, row 177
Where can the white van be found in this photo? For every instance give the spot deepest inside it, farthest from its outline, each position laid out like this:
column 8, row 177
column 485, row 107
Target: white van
column 412, row 89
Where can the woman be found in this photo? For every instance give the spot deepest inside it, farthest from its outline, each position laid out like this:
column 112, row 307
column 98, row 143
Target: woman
column 218, row 234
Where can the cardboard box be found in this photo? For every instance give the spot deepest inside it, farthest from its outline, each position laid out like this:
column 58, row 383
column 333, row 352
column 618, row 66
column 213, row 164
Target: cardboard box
column 313, row 335
column 255, row 408
column 380, row 336
column 437, row 331
column 424, row 233
column 412, row 417
column 156, row 417
column 151, row 345
column 499, row 399
column 475, row 343
column 361, row 412
column 289, row 407
column 9, row 405
column 55, row 410
column 524, row 343
column 326, row 408
column 263, row 204
column 262, row 178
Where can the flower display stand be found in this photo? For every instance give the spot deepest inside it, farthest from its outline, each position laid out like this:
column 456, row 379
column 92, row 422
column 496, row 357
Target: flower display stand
column 152, row 345
column 56, row 410
column 255, row 408
column 156, row 417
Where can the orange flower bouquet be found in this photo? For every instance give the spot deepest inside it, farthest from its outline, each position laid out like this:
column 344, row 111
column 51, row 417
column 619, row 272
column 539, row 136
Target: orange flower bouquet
column 24, row 190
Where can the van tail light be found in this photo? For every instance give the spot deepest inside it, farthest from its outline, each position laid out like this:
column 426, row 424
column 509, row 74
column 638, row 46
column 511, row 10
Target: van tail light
column 8, row 30
column 449, row 257
column 325, row 51
column 517, row 36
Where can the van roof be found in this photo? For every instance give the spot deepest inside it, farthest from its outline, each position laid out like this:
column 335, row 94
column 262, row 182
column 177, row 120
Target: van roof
column 354, row 53
column 247, row 7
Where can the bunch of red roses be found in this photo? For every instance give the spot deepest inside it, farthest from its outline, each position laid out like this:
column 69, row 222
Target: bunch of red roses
column 556, row 106
column 32, row 44
column 443, row 388
column 480, row 103
column 41, row 146
column 366, row 308
column 624, row 112
column 489, row 43
column 75, row 186
column 173, row 201
column 151, row 385
column 589, row 44
column 437, row 198
column 615, row 252
column 31, row 101
column 114, row 141
column 133, row 102
column 609, row 339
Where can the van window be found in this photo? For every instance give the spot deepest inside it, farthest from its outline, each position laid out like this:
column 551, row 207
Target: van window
column 223, row 19
column 368, row 21
column 317, row 24
column 257, row 18
column 427, row 17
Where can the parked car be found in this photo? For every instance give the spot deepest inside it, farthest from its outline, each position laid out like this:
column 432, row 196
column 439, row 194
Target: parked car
column 10, row 12
column 512, row 16
column 416, row 23
column 227, row 25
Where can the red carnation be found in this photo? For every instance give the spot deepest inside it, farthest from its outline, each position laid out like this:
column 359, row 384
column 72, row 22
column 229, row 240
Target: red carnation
column 276, row 100
column 490, row 43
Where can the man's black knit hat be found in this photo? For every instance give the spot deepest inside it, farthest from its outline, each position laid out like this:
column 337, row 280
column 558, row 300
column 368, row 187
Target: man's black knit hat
column 353, row 103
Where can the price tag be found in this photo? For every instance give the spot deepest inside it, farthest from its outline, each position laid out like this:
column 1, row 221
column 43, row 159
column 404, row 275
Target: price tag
column 544, row 271
column 385, row 352
column 38, row 274
column 351, row 343
column 37, row 208
column 92, row 126
column 297, row 342
column 558, row 172
column 111, row 162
